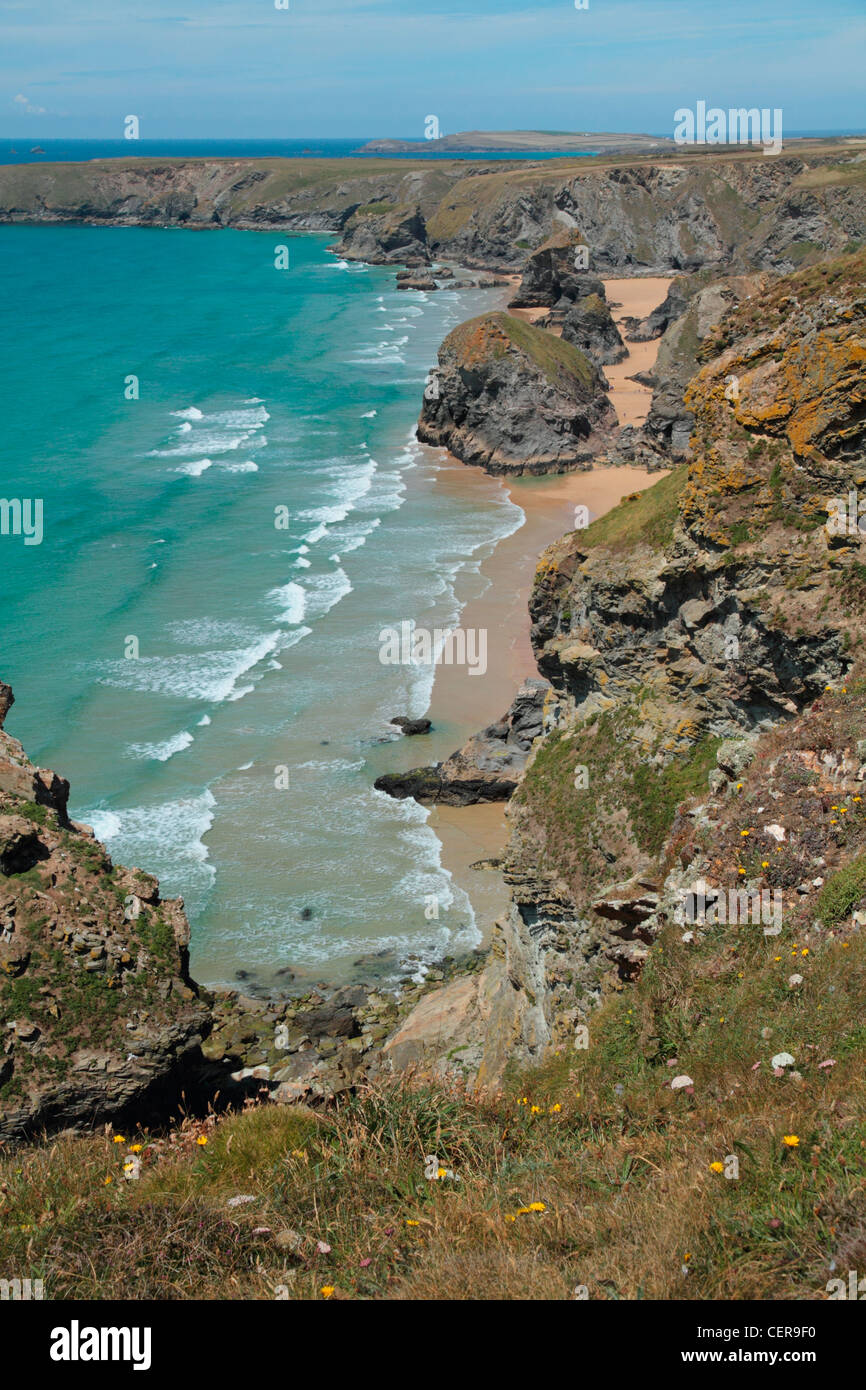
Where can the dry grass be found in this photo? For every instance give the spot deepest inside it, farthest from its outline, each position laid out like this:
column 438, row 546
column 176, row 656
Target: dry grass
column 622, row 1168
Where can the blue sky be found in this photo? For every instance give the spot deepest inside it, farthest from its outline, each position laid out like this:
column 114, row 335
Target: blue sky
column 241, row 68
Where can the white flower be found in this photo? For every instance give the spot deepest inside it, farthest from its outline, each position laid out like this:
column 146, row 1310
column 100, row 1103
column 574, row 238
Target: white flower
column 782, row 1059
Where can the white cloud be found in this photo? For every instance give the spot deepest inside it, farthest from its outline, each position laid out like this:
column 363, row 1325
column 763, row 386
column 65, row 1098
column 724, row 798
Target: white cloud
column 26, row 105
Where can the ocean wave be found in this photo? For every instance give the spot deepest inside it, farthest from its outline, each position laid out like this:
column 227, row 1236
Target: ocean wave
column 292, row 598
column 212, row 676
column 324, row 592
column 161, row 752
column 211, row 442
column 165, row 839
column 190, row 413
column 252, row 419
column 207, row 632
column 333, row 764
column 195, row 469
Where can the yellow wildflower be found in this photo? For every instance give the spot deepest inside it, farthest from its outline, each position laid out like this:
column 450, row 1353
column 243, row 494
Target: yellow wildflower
column 326, row 1290
column 792, row 1140
column 717, row 1167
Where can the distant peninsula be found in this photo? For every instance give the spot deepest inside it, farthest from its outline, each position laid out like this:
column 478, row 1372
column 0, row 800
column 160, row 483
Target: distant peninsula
column 535, row 141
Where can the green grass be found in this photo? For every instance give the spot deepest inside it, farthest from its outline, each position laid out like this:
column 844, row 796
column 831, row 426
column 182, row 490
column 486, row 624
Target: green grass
column 645, row 518
column 841, row 893
column 656, row 792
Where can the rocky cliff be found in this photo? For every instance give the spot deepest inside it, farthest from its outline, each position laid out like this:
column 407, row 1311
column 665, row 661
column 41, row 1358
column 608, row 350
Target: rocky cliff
column 736, row 213
column 515, row 399
column 681, row 631
column 98, row 1013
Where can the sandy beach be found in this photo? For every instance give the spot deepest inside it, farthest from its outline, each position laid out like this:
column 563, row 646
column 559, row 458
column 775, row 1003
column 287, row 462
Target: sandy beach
column 473, row 833
column 635, row 298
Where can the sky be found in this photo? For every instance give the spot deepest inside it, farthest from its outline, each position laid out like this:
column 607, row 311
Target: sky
column 198, row 69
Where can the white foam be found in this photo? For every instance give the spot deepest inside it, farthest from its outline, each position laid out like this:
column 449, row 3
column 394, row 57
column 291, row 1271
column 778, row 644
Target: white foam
column 369, row 414
column 248, row 467
column 210, row 676
column 166, row 839
column 324, row 592
column 190, row 413
column 240, row 419
column 292, row 599
column 210, row 442
column 332, row 764
column 195, row 470
column 161, row 752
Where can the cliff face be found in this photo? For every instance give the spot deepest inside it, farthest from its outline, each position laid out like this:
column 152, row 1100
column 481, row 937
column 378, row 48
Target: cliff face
column 514, row 399
column 680, row 631
column 742, row 213
column 670, row 422
column 99, row 1016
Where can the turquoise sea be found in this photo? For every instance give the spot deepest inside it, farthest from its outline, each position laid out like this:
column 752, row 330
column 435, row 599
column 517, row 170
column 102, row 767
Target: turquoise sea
column 234, row 755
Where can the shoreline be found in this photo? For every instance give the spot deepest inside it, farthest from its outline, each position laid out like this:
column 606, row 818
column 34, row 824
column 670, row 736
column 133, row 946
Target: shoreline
column 480, row 832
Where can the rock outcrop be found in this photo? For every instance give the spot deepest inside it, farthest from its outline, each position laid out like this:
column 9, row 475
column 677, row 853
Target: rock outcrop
column 98, row 1014
column 555, row 274
column 395, row 235
column 488, row 766
column 589, row 326
column 512, row 398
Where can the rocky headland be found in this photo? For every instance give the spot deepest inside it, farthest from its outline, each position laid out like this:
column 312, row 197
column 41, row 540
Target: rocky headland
column 513, row 399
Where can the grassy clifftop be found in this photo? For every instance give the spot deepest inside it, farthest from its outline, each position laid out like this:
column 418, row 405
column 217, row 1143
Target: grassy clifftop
column 489, row 337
